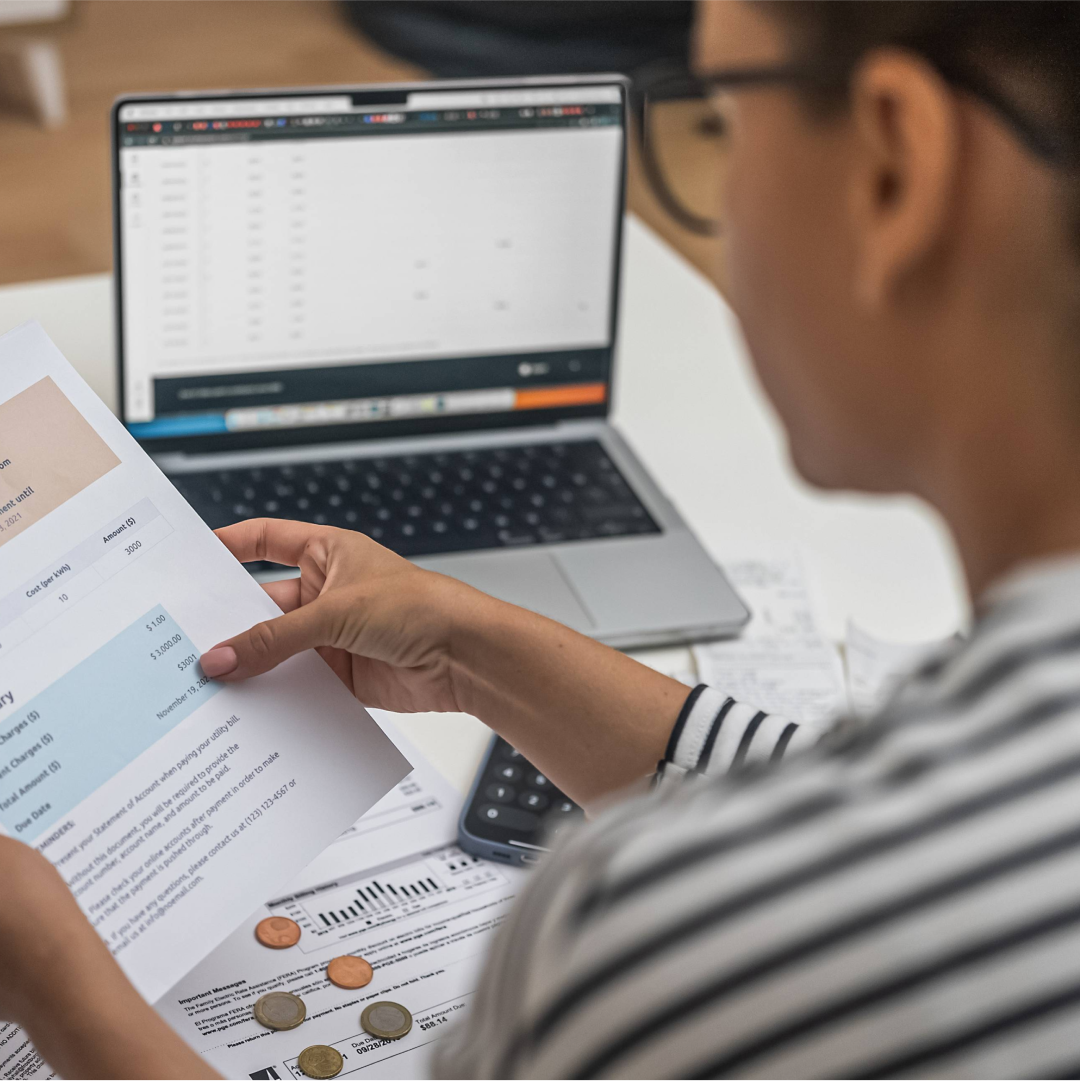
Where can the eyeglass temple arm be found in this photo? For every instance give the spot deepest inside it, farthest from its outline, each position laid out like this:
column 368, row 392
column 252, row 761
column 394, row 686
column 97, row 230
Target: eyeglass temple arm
column 669, row 85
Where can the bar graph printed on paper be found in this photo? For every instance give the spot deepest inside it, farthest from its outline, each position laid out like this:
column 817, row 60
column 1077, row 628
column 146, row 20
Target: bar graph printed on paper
column 377, row 897
column 388, row 894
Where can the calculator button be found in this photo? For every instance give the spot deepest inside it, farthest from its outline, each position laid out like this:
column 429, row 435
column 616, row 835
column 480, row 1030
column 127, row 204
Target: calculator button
column 533, row 801
column 565, row 807
column 508, row 773
column 511, row 753
column 557, row 820
column 538, row 780
column 510, row 817
column 500, row 793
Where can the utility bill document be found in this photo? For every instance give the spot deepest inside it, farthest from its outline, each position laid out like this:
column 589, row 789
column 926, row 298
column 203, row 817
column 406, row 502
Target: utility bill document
column 171, row 805
column 396, row 890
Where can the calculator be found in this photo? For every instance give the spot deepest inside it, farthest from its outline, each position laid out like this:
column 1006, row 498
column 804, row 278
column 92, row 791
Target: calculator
column 513, row 811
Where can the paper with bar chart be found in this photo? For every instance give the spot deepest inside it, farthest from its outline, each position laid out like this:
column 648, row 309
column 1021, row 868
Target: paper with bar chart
column 171, row 805
column 397, row 892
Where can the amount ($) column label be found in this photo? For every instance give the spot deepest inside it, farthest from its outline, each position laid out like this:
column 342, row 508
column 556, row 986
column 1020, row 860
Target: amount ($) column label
column 85, row 727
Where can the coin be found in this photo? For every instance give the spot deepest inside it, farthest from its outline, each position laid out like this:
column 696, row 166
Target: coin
column 280, row 1010
column 321, row 1061
column 387, row 1020
column 277, row 932
column 349, row 972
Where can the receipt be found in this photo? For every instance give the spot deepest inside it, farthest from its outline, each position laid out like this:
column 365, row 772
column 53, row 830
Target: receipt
column 781, row 663
column 170, row 804
column 876, row 668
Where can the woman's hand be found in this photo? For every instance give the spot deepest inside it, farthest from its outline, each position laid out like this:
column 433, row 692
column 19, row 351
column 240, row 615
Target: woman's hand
column 410, row 640
column 40, row 925
column 382, row 624
column 61, row 984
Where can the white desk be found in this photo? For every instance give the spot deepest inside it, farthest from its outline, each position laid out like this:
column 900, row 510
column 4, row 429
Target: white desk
column 686, row 399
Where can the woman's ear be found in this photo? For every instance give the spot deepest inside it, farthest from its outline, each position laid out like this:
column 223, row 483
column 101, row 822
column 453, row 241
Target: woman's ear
column 906, row 124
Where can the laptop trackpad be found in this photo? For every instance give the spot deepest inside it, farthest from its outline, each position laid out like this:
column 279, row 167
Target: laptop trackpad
column 529, row 579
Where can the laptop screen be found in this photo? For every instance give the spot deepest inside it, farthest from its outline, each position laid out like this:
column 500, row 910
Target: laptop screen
column 362, row 264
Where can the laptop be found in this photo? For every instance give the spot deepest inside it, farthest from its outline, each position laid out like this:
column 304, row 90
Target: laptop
column 393, row 309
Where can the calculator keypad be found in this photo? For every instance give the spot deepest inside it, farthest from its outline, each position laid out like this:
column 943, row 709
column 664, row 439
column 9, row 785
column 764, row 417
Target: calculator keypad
column 515, row 801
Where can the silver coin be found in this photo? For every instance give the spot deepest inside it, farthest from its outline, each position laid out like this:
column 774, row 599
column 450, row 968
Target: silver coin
column 387, row 1020
column 279, row 1010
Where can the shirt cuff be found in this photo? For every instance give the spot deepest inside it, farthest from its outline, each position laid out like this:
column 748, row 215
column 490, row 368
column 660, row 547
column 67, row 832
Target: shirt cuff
column 713, row 734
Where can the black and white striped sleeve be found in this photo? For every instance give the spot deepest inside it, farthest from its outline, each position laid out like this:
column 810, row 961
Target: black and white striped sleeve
column 900, row 901
column 715, row 734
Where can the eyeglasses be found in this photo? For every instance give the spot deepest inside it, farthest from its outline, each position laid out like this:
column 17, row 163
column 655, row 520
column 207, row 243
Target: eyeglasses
column 682, row 134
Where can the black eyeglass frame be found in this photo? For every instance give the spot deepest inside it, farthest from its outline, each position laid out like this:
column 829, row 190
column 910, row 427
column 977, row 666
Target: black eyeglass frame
column 669, row 85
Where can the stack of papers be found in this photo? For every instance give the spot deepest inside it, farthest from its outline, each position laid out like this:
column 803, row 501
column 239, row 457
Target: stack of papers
column 782, row 663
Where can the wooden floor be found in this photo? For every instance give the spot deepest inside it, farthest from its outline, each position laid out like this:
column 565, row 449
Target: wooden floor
column 55, row 202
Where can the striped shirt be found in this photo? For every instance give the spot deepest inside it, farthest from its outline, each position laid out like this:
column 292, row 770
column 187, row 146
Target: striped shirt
column 900, row 898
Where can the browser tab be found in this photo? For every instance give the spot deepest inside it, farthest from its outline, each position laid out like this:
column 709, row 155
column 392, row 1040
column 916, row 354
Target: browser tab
column 493, row 99
column 195, row 110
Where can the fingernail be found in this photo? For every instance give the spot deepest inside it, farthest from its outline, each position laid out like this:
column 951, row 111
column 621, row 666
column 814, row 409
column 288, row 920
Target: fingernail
column 219, row 661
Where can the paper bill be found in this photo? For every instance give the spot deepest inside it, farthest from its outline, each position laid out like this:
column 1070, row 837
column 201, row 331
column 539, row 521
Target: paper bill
column 397, row 891
column 170, row 804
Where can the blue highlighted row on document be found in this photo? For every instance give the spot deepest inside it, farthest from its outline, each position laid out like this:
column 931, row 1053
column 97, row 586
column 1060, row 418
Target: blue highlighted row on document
column 83, row 729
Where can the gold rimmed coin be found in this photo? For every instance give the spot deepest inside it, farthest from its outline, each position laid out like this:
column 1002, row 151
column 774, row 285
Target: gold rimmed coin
column 349, row 972
column 277, row 932
column 320, row 1061
column 280, row 1010
column 387, row 1020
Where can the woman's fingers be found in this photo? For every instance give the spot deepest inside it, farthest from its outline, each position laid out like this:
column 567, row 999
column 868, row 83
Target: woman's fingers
column 269, row 538
column 267, row 644
column 284, row 593
column 341, row 664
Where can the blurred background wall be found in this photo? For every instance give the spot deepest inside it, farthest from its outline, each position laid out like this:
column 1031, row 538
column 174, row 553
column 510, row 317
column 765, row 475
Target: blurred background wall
column 55, row 202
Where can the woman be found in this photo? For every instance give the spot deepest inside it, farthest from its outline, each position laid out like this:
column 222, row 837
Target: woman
column 899, row 214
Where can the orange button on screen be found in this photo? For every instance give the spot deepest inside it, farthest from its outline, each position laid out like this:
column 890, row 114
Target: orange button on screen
column 573, row 394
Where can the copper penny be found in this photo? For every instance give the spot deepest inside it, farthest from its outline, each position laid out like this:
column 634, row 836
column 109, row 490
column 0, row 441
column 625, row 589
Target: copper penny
column 277, row 932
column 349, row 972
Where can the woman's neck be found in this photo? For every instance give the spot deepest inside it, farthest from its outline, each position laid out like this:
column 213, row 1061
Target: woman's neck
column 1009, row 489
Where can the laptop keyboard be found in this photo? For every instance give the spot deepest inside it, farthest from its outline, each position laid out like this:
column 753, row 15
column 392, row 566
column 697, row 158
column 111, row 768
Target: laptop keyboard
column 424, row 504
